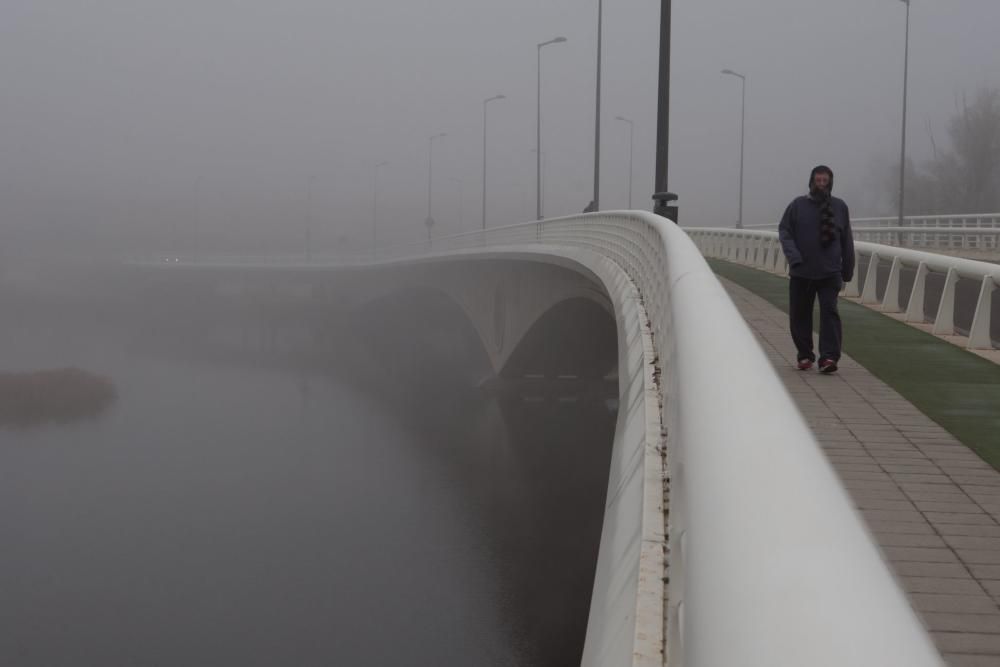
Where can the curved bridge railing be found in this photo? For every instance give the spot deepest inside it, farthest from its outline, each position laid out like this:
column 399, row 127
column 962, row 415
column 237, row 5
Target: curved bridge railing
column 767, row 562
column 763, row 250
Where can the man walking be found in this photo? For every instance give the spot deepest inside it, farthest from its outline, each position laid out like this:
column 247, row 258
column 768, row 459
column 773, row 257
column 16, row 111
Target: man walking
column 815, row 234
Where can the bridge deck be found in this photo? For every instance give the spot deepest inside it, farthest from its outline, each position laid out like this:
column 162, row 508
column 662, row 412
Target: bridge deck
column 932, row 504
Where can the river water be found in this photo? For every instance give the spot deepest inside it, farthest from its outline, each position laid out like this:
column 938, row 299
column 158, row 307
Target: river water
column 221, row 512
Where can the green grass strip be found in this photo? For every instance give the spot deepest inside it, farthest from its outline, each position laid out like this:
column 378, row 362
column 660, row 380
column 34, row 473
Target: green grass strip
column 957, row 389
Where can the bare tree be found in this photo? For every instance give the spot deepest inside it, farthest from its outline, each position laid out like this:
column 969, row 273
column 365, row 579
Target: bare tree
column 975, row 138
column 966, row 177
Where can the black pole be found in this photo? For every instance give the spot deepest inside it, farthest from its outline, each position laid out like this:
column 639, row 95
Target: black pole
column 597, row 116
column 661, row 195
column 902, row 142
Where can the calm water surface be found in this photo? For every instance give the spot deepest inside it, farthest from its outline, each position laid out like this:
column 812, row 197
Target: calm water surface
column 235, row 514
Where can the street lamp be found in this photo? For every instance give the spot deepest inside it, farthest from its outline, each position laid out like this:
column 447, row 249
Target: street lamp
column 631, row 127
column 597, row 117
column 542, row 181
column 661, row 197
column 375, row 203
column 743, row 110
column 461, row 199
column 308, row 230
column 538, row 129
column 485, row 102
column 902, row 141
column 429, row 222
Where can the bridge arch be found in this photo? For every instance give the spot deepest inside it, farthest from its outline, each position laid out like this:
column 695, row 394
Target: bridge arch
column 503, row 298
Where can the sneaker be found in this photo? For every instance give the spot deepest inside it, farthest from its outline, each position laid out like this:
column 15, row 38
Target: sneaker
column 827, row 366
column 805, row 364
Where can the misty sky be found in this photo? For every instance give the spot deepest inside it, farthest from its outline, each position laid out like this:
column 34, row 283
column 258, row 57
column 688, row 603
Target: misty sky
column 244, row 115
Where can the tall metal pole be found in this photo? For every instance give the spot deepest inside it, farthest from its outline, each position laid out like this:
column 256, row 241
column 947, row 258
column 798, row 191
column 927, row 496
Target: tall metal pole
column 461, row 199
column 631, row 127
column 743, row 111
column 663, row 106
column 430, row 175
column 538, row 139
column 543, row 178
column 485, row 102
column 196, row 226
column 375, row 205
column 429, row 222
column 902, row 142
column 597, row 116
column 309, row 189
column 743, row 118
column 538, row 129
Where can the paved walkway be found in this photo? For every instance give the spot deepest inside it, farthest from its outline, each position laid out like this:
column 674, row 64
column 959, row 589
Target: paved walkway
column 932, row 504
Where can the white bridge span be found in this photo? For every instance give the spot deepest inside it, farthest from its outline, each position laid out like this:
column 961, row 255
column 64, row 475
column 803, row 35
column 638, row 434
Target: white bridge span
column 704, row 560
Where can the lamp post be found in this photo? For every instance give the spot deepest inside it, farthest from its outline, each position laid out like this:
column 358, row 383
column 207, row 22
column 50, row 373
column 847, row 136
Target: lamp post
column 429, row 222
column 485, row 102
column 542, row 181
column 662, row 198
column 308, row 230
column 631, row 127
column 743, row 110
column 461, row 199
column 196, row 221
column 597, row 116
column 538, row 129
column 375, row 204
column 902, row 141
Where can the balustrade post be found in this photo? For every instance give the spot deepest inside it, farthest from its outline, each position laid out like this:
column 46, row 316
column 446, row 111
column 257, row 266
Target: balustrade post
column 979, row 334
column 868, row 293
column 890, row 302
column 915, row 306
column 944, row 323
column 851, row 289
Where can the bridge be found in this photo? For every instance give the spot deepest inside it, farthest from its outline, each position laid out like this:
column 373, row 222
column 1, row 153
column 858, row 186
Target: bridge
column 755, row 515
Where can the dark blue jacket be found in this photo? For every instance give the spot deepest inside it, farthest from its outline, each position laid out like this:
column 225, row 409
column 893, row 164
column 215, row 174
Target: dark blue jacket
column 799, row 234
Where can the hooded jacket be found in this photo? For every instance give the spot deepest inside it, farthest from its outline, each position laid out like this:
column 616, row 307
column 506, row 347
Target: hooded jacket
column 799, row 232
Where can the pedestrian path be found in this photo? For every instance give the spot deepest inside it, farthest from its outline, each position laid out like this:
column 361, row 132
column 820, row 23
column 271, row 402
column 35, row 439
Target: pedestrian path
column 932, row 504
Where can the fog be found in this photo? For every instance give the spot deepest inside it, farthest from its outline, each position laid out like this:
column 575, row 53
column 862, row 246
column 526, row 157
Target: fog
column 255, row 477
column 237, row 126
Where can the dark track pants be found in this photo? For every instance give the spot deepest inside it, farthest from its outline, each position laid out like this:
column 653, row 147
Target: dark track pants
column 802, row 293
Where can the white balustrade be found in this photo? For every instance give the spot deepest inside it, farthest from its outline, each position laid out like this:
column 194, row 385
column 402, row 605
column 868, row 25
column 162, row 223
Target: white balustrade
column 714, row 242
column 949, row 238
column 953, row 222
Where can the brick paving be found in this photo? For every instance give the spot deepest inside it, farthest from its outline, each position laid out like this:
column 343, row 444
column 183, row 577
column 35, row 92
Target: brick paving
column 932, row 504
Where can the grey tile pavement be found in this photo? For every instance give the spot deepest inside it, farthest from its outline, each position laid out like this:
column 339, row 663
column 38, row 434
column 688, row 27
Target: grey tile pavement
column 932, row 504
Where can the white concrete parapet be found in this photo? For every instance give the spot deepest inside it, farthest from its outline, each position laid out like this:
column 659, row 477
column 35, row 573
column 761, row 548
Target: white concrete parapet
column 769, row 564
